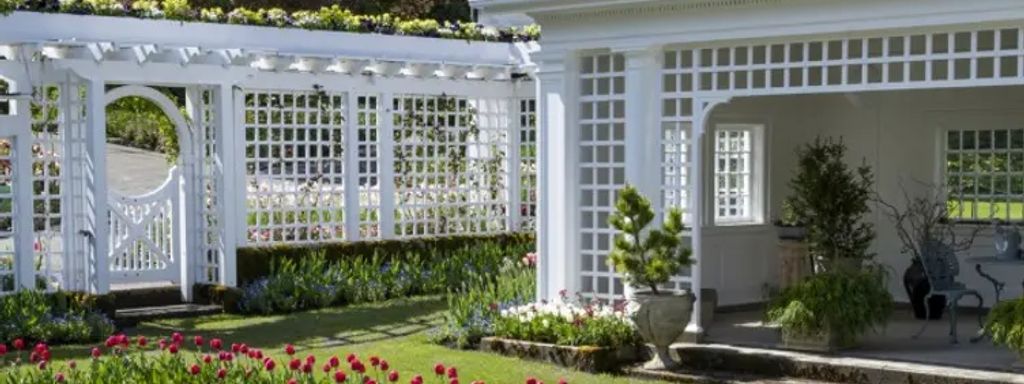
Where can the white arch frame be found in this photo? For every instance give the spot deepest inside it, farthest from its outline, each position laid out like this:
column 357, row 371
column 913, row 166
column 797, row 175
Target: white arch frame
column 183, row 221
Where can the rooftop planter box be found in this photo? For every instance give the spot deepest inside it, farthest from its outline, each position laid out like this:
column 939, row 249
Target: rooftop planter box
column 263, row 40
column 582, row 358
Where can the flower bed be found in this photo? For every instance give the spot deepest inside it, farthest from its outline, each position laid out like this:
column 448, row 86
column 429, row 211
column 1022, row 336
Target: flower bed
column 568, row 321
column 194, row 360
column 59, row 317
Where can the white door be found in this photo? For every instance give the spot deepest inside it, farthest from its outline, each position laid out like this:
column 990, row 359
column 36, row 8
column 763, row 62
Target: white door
column 144, row 245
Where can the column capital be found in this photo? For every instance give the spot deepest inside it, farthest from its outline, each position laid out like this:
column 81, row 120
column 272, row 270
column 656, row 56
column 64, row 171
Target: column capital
column 639, row 54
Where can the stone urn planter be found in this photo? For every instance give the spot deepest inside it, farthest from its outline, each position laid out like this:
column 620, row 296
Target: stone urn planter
column 827, row 342
column 661, row 319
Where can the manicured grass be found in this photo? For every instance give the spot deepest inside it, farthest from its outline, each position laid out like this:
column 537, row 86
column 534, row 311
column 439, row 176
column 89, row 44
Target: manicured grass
column 394, row 330
column 986, row 211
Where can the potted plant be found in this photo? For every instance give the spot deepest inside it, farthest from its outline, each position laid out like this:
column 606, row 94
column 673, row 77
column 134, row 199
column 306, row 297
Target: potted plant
column 922, row 223
column 1005, row 325
column 789, row 225
column 831, row 310
column 648, row 258
column 831, row 199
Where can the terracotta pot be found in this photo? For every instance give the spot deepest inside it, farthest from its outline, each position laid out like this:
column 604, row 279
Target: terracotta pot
column 661, row 319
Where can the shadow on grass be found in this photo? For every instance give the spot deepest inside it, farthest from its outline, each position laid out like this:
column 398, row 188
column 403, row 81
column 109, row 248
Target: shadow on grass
column 359, row 324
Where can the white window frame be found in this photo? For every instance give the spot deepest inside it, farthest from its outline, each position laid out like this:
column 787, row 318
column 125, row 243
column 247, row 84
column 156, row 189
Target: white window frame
column 757, row 178
column 943, row 151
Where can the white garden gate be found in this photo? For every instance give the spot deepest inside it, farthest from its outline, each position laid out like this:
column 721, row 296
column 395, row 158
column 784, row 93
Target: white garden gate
column 143, row 237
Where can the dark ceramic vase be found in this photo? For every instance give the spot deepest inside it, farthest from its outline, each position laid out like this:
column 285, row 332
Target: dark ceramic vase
column 916, row 284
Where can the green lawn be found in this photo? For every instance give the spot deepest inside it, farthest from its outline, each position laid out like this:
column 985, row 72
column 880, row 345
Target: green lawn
column 395, row 330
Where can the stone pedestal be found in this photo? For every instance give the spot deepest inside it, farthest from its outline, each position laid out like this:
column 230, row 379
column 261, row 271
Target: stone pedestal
column 794, row 262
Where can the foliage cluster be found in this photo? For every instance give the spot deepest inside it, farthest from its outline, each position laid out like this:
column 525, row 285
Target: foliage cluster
column 314, row 282
column 138, row 123
column 474, row 305
column 59, row 317
column 843, row 303
column 1005, row 324
column 572, row 322
column 332, row 18
column 652, row 260
column 832, row 199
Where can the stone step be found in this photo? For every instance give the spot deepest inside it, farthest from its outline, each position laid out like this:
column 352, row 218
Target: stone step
column 771, row 363
column 137, row 297
column 129, row 317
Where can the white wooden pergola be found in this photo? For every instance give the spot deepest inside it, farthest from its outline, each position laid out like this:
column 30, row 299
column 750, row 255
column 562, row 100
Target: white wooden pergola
column 627, row 88
column 286, row 136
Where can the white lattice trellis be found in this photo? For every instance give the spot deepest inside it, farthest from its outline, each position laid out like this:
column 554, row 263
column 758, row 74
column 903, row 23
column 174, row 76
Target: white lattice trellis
column 50, row 116
column 368, row 114
column 602, row 167
column 527, row 115
column 450, row 168
column 7, row 214
column 295, row 166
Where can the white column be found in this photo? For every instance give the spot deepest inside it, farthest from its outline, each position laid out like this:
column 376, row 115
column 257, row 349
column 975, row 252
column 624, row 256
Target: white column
column 557, row 227
column 97, row 148
column 239, row 199
column 24, row 254
column 351, row 167
column 642, row 65
column 386, row 166
column 230, row 153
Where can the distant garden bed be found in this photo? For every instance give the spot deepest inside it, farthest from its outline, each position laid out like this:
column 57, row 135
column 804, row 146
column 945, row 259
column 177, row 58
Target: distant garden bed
column 332, row 18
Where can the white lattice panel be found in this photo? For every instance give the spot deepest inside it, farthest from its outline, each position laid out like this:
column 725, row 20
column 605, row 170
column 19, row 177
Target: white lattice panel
column 7, row 215
column 602, row 133
column 450, row 165
column 49, row 117
column 368, row 113
column 295, row 166
column 527, row 115
column 211, row 172
column 733, row 159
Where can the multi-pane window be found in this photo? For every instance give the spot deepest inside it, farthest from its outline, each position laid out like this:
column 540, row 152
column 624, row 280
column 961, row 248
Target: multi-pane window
column 734, row 159
column 984, row 170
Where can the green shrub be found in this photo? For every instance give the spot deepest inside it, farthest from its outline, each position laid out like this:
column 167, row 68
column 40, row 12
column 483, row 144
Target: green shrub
column 255, row 262
column 647, row 259
column 1005, row 324
column 846, row 303
column 55, row 318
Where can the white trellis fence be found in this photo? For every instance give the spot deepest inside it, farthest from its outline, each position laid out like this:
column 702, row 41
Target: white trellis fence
column 285, row 136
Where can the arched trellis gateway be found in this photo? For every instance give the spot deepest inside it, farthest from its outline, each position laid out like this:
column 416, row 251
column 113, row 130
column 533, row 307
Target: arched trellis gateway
column 287, row 137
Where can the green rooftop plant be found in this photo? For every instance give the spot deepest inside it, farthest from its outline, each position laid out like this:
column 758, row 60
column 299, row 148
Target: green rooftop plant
column 648, row 258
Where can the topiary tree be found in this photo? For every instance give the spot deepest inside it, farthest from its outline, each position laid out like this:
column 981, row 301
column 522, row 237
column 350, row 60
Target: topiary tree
column 652, row 260
column 832, row 199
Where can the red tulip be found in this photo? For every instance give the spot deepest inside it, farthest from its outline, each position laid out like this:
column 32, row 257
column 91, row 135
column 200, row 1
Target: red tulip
column 350, row 357
column 562, row 381
column 416, row 380
column 59, row 377
column 221, row 373
column 452, row 373
column 96, row 353
column 142, row 341
column 216, row 344
column 42, row 365
column 243, row 348
column 310, row 359
column 173, row 349
column 293, row 381
column 40, row 347
column 326, row 368
column 307, row 368
column 335, row 361
column 358, row 366
column 162, row 343
column 531, row 381
column 439, row 369
column 207, row 359
column 384, row 365
column 294, row 364
column 198, row 340
column 236, row 348
column 194, row 370
column 177, row 338
column 375, row 361
column 289, row 349
column 393, row 376
column 269, row 364
column 3, row 349
column 454, row 381
column 339, row 377
column 18, row 344
column 72, row 365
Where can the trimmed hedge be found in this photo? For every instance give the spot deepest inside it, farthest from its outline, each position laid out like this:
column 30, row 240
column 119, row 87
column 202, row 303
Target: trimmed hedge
column 255, row 262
